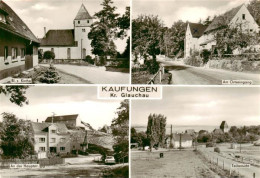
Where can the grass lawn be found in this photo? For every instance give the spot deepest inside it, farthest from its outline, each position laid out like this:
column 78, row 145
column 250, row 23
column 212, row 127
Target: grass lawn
column 174, row 164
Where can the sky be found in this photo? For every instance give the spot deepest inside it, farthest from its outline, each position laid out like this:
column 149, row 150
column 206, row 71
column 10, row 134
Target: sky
column 207, row 106
column 59, row 14
column 62, row 100
column 170, row 11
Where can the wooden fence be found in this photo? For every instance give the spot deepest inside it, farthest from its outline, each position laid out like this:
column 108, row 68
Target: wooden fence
column 159, row 74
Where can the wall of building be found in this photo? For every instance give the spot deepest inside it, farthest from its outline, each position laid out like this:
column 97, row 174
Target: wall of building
column 58, row 144
column 185, row 144
column 248, row 23
column 191, row 44
column 9, row 66
column 39, row 144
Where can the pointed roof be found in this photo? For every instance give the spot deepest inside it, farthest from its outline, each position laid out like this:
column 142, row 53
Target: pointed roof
column 82, row 13
column 14, row 23
column 223, row 125
column 42, row 128
column 197, row 29
column 62, row 118
column 223, row 19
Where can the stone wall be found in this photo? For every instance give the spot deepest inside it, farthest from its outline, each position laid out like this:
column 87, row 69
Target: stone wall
column 235, row 65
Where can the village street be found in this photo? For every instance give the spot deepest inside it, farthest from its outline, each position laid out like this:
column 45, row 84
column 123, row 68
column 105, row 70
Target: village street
column 190, row 75
column 247, row 172
column 95, row 75
column 82, row 166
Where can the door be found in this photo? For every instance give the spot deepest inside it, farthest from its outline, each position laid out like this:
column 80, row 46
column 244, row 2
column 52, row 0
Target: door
column 68, row 53
column 53, row 149
column 28, row 62
column 84, row 53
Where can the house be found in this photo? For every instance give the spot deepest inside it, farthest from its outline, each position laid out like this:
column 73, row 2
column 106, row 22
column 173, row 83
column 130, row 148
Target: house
column 236, row 17
column 50, row 138
column 223, row 126
column 190, row 131
column 191, row 42
column 70, row 43
column 18, row 45
column 71, row 121
column 179, row 140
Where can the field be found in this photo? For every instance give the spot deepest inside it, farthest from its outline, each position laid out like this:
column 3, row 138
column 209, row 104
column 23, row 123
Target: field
column 174, row 164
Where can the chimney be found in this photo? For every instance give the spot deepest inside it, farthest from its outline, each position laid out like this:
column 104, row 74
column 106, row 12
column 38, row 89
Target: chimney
column 37, row 120
column 44, row 31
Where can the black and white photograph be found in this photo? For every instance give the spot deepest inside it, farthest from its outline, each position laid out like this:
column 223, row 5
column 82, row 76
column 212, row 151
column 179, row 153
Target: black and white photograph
column 195, row 42
column 65, row 42
column 197, row 132
column 62, row 131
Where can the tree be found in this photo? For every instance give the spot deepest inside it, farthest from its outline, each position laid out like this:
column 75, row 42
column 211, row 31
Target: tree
column 156, row 129
column 207, row 21
column 17, row 93
column 103, row 31
column 254, row 9
column 16, row 137
column 124, row 23
column 120, row 126
column 146, row 35
column 230, row 38
column 49, row 55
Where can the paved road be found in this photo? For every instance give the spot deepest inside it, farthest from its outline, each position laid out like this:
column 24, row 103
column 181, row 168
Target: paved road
column 95, row 75
column 189, row 75
column 82, row 166
column 247, row 172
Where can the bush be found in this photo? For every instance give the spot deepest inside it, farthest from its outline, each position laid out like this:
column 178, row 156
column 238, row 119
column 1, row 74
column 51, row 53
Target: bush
column 89, row 59
column 152, row 66
column 205, row 54
column 48, row 55
column 49, row 76
column 216, row 149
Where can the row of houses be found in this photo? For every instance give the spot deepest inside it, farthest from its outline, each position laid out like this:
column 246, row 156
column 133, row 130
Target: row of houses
column 19, row 46
column 185, row 140
column 60, row 135
column 199, row 36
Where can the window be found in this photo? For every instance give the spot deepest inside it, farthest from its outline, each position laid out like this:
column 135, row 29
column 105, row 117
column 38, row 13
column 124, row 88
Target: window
column 42, row 140
column 52, row 50
column 62, row 140
column 53, row 140
column 87, row 21
column 22, row 53
column 83, row 30
column 251, row 30
column 41, row 148
column 68, row 55
column 14, row 53
column 243, row 16
column 6, row 52
column 53, row 131
column 62, row 148
column 78, row 22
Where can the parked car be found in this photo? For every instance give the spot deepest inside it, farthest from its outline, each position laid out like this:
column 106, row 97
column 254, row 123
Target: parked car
column 110, row 160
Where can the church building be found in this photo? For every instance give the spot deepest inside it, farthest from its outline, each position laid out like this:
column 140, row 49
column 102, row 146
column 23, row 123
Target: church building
column 70, row 43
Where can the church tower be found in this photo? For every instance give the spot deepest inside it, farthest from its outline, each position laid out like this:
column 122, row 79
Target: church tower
column 82, row 23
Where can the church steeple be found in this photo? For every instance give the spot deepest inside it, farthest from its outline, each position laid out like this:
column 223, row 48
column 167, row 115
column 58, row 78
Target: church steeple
column 82, row 13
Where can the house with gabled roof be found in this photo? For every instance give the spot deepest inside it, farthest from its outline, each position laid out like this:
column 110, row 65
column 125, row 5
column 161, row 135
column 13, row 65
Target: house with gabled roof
column 179, row 139
column 238, row 17
column 70, row 43
column 18, row 45
column 51, row 138
column 191, row 43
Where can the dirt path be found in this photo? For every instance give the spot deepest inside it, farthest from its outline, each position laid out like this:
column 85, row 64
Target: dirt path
column 174, row 164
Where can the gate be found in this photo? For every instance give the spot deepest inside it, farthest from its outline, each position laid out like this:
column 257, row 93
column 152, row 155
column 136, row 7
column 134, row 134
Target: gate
column 28, row 62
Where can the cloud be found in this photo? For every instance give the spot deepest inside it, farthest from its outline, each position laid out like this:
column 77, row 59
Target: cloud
column 193, row 14
column 42, row 6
